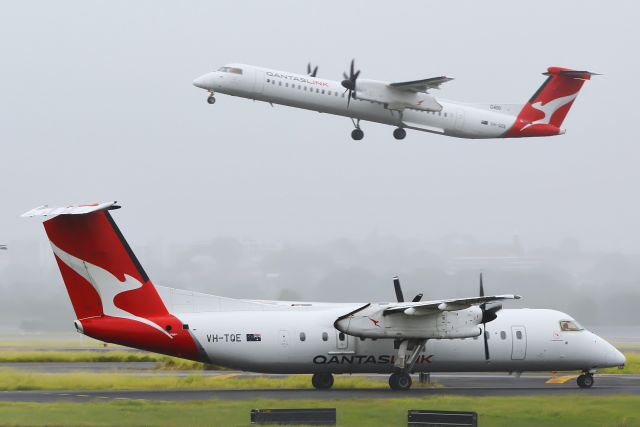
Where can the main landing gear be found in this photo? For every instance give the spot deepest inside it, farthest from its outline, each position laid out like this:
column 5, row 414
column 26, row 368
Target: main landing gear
column 408, row 352
column 322, row 381
column 399, row 133
column 211, row 99
column 400, row 381
column 585, row 380
column 357, row 133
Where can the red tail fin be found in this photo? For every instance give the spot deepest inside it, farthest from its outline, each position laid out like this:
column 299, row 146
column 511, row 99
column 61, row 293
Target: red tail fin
column 111, row 294
column 544, row 113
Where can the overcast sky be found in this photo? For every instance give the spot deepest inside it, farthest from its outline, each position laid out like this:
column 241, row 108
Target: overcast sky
column 97, row 104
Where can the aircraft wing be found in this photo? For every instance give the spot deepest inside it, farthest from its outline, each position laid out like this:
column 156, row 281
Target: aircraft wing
column 431, row 307
column 421, row 85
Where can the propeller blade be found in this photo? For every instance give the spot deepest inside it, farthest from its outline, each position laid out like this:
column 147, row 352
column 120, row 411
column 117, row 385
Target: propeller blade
column 315, row 71
column 396, row 285
column 352, row 67
column 349, row 99
column 490, row 314
column 345, row 76
column 309, row 68
column 417, row 298
column 486, row 343
column 481, row 286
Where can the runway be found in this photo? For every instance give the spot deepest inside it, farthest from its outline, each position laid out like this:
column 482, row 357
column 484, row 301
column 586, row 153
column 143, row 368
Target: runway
column 451, row 384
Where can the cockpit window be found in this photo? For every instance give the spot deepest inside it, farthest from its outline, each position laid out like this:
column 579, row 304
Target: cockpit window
column 570, row 325
column 232, row 70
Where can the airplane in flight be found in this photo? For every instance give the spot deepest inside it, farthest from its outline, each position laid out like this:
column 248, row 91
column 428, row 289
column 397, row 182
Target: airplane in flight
column 405, row 105
column 115, row 301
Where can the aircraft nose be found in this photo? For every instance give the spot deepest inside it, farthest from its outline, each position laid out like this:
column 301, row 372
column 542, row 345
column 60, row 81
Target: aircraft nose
column 204, row 81
column 616, row 358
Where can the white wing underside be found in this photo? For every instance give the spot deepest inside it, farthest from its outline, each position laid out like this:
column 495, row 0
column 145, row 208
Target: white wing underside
column 431, row 307
column 423, row 85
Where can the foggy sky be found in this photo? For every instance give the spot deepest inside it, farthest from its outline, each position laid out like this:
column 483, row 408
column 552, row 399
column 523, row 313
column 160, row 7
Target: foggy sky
column 97, row 104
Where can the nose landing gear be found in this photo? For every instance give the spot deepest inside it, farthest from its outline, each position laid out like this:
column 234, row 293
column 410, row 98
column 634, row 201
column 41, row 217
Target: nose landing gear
column 585, row 380
column 211, row 99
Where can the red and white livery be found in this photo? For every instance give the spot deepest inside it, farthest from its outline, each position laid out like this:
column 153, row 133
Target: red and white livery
column 115, row 301
column 405, row 105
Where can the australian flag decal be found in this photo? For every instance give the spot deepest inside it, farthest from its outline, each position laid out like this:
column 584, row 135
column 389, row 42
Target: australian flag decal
column 254, row 337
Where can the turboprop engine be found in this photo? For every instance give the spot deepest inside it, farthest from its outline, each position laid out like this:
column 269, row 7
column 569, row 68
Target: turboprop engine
column 394, row 99
column 371, row 321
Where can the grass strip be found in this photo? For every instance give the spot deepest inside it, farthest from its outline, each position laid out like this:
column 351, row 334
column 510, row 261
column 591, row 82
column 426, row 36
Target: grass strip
column 571, row 410
column 12, row 380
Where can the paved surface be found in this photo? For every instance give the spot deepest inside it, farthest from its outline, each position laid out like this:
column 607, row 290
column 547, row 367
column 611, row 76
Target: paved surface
column 458, row 384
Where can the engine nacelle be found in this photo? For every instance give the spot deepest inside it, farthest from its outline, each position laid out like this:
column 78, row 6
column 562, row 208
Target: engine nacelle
column 370, row 322
column 393, row 98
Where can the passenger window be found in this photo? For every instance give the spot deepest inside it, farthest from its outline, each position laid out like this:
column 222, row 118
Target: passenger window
column 268, row 80
column 299, row 86
column 325, row 336
column 305, row 88
column 317, row 90
column 286, row 85
column 503, row 335
column 341, row 336
column 362, row 338
column 303, row 336
column 519, row 335
column 445, row 114
column 322, row 91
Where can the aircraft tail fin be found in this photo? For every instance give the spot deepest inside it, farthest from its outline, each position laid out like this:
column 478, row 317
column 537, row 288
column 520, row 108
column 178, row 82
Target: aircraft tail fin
column 545, row 111
column 111, row 294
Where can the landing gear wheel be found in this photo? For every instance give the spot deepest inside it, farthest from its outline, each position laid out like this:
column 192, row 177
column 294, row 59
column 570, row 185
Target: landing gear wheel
column 400, row 381
column 322, row 381
column 211, row 100
column 585, row 381
column 357, row 134
column 399, row 133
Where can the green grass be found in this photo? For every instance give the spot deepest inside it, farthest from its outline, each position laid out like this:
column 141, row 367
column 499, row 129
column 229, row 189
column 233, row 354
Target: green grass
column 45, row 356
column 20, row 380
column 572, row 410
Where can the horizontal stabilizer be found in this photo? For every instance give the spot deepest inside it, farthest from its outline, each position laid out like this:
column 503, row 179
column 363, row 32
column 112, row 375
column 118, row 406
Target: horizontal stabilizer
column 45, row 210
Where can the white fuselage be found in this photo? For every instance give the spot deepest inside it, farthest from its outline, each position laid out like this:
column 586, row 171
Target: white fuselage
column 301, row 338
column 328, row 96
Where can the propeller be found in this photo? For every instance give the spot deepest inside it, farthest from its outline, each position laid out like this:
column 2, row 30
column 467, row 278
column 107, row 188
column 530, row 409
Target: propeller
column 349, row 82
column 396, row 285
column 398, row 289
column 311, row 72
column 488, row 315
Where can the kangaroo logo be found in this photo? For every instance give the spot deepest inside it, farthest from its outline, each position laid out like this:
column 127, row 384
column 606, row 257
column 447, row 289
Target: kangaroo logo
column 107, row 286
column 549, row 109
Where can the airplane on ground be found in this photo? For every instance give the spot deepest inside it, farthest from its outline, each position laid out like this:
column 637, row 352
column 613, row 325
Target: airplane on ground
column 405, row 105
column 115, row 301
